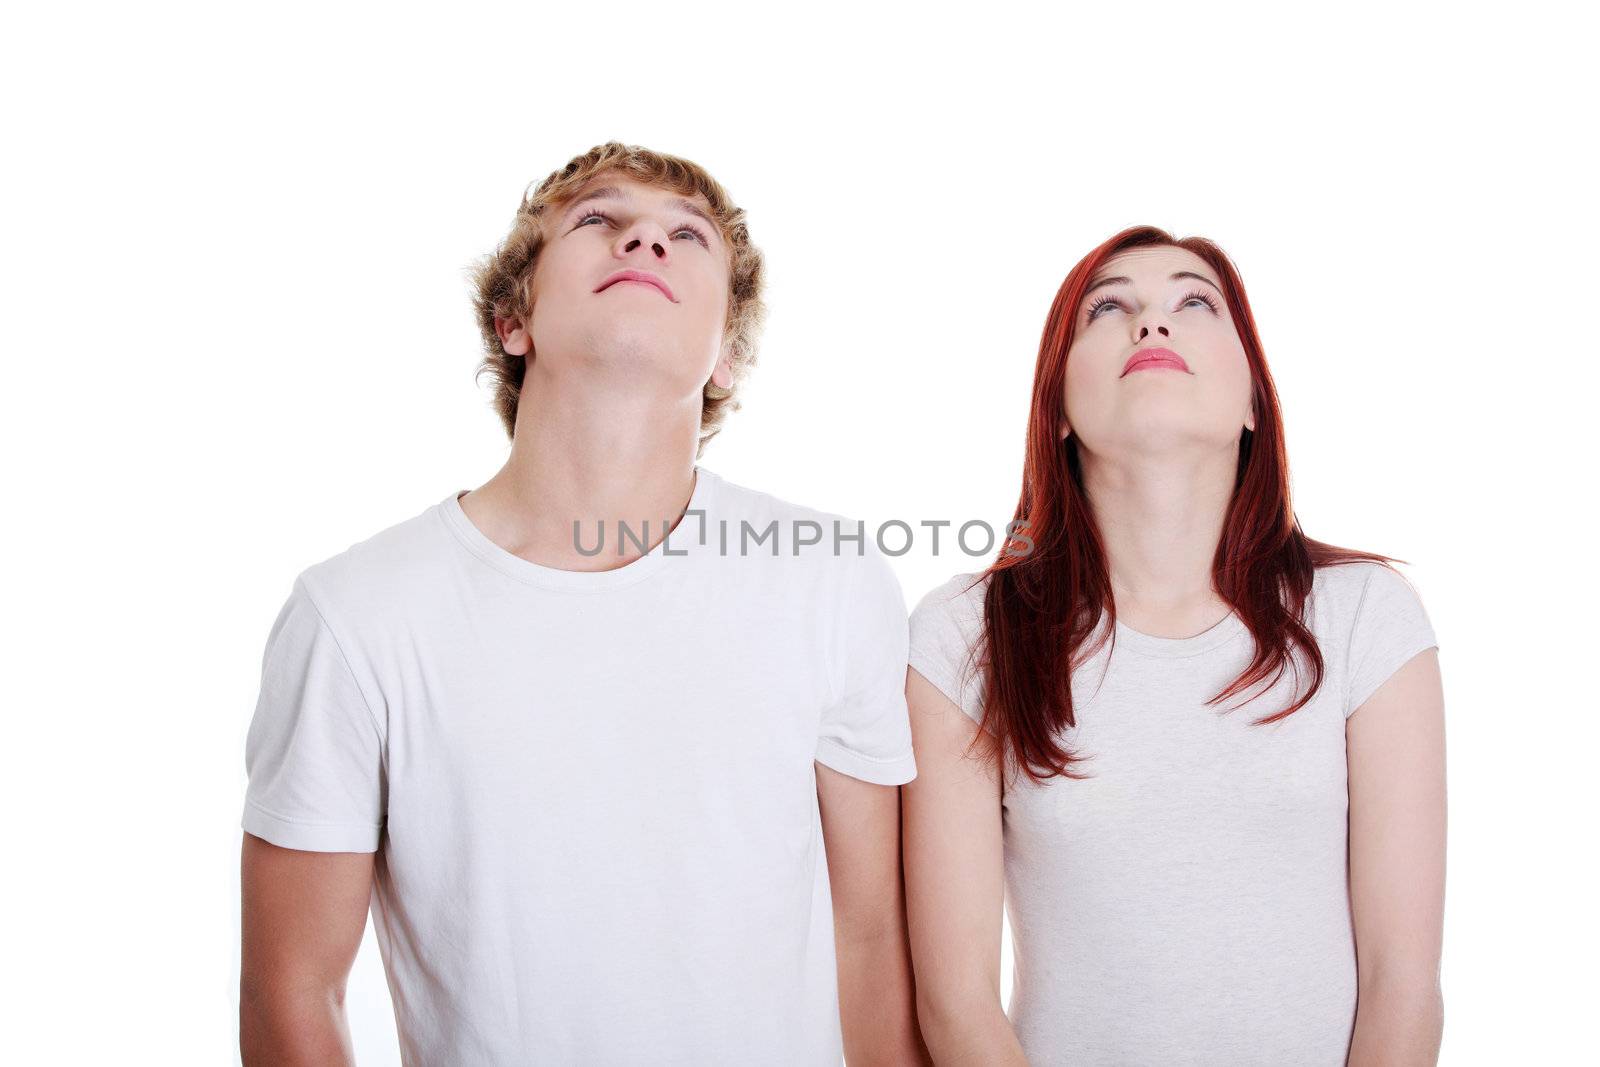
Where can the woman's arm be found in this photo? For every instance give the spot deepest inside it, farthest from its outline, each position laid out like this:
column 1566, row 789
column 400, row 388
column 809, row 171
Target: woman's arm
column 955, row 886
column 1395, row 743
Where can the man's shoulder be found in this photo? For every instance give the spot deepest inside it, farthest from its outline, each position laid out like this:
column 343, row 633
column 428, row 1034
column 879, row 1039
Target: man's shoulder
column 740, row 499
column 763, row 522
column 366, row 577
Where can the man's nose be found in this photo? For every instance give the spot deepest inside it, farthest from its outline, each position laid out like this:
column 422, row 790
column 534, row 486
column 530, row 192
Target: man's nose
column 647, row 235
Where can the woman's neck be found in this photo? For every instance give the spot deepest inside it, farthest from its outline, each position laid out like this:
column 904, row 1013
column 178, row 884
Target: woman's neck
column 1160, row 519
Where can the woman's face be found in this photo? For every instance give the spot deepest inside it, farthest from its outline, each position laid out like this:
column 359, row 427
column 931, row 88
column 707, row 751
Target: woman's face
column 1156, row 363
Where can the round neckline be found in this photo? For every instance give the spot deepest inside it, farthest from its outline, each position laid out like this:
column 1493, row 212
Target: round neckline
column 685, row 539
column 1219, row 633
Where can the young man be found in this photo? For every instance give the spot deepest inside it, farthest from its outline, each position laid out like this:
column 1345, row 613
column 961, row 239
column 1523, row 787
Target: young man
column 587, row 792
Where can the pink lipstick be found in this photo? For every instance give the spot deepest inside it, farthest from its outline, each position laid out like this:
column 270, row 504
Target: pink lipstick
column 1153, row 358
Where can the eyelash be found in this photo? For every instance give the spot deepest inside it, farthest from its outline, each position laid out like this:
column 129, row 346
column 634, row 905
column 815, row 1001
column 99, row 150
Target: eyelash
column 587, row 215
column 1204, row 298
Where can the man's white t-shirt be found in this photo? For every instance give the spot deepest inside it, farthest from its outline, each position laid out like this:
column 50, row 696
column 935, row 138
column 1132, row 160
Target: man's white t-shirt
column 591, row 794
column 1188, row 902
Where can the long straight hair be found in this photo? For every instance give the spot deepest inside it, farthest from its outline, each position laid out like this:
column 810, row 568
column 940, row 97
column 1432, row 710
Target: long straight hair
column 1042, row 607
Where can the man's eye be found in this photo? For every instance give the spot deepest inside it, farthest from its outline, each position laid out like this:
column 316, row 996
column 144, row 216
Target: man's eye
column 602, row 216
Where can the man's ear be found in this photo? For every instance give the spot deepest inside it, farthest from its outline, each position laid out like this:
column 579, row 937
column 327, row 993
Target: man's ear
column 722, row 373
column 513, row 337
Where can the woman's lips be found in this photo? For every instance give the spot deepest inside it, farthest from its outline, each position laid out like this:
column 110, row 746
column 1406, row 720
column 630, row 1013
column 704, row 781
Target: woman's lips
column 1151, row 358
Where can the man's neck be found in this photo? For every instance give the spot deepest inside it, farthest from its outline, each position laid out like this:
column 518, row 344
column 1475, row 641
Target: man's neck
column 585, row 456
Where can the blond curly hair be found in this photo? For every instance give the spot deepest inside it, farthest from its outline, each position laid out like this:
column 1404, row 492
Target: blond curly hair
column 502, row 280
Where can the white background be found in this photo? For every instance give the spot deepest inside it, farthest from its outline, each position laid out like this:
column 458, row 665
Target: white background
column 237, row 339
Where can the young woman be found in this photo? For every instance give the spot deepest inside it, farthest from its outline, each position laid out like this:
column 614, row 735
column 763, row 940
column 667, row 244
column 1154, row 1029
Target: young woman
column 1199, row 753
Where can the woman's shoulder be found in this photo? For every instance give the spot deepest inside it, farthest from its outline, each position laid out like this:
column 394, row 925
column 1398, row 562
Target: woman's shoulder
column 1370, row 620
column 957, row 598
column 948, row 621
column 1344, row 587
column 946, row 631
column 1362, row 601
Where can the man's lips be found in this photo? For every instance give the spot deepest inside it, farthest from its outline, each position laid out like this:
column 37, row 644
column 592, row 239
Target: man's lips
column 1151, row 358
column 643, row 277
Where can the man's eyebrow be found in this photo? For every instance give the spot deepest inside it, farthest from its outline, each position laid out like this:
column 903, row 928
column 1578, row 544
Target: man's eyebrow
column 692, row 208
column 1121, row 280
column 604, row 192
column 611, row 192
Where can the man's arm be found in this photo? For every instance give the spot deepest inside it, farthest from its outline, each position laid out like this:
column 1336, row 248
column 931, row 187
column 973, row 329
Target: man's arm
column 861, row 834
column 955, row 886
column 303, row 916
column 1395, row 744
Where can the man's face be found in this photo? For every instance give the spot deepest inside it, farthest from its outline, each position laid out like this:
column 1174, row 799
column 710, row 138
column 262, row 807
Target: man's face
column 631, row 277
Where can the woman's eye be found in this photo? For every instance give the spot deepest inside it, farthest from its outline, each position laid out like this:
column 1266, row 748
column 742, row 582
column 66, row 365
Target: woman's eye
column 1094, row 312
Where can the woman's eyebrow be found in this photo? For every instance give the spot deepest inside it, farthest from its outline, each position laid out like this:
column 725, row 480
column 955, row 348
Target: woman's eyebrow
column 1122, row 280
column 1196, row 277
column 1103, row 282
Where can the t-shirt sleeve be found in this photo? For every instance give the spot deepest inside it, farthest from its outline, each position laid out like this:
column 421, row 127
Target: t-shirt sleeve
column 946, row 627
column 314, row 752
column 866, row 731
column 1390, row 628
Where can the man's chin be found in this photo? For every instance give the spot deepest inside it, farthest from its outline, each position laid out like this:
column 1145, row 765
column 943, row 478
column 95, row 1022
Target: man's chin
column 643, row 361
column 641, row 346
column 642, row 350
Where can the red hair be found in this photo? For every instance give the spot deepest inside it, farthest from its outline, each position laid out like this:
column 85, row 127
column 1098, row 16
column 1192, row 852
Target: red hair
column 1042, row 607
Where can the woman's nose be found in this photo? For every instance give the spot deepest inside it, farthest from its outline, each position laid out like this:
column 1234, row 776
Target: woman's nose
column 1144, row 331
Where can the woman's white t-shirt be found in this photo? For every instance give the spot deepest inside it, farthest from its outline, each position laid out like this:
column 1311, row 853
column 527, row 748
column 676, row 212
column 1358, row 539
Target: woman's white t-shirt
column 594, row 792
column 1188, row 903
